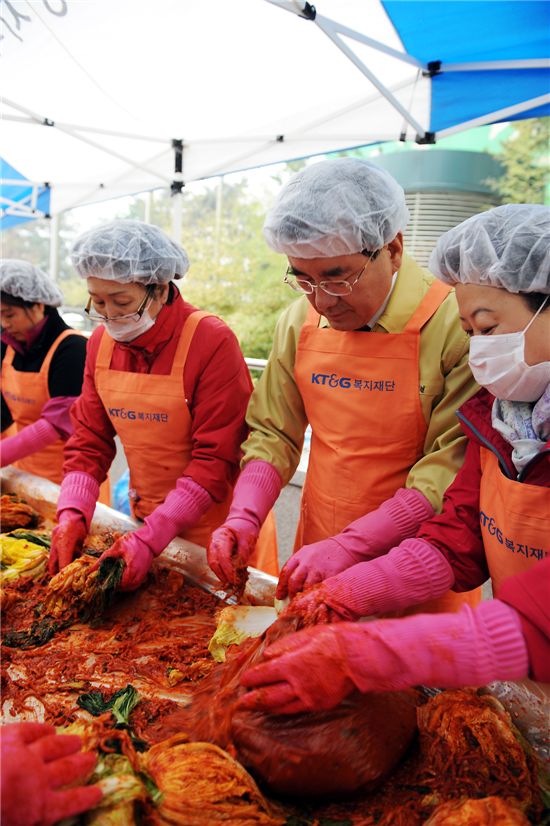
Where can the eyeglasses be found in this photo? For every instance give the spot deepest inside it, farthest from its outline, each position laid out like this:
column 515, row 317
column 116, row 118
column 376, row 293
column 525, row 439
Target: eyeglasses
column 135, row 316
column 336, row 288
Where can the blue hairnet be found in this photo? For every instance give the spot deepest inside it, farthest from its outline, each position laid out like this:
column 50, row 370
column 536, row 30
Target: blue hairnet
column 129, row 251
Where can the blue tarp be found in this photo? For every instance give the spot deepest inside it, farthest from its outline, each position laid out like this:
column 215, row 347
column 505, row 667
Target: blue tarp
column 21, row 196
column 468, row 32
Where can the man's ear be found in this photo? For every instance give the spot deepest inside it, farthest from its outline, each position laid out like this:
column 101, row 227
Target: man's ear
column 395, row 248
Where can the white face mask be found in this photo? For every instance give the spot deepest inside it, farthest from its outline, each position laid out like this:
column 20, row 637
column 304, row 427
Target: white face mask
column 498, row 363
column 127, row 329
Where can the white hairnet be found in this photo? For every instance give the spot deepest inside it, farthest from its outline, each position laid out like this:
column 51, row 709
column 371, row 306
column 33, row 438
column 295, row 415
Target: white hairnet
column 29, row 283
column 507, row 247
column 336, row 207
column 129, row 251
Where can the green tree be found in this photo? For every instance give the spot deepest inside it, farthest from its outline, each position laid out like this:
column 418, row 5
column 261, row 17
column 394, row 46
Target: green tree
column 233, row 272
column 31, row 242
column 525, row 160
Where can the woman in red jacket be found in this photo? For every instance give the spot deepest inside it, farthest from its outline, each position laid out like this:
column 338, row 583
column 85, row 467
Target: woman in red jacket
column 495, row 521
column 170, row 381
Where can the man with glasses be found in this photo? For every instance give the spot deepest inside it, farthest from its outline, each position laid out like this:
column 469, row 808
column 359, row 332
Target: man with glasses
column 373, row 357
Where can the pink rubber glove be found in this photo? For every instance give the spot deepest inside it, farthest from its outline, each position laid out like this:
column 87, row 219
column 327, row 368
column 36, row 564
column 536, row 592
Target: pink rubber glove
column 75, row 509
column 67, row 540
column 412, row 573
column 79, row 492
column 316, row 668
column 30, row 439
column 255, row 493
column 181, row 510
column 369, row 536
column 36, row 764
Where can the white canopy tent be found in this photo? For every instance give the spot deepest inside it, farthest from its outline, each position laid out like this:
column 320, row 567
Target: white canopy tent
column 105, row 98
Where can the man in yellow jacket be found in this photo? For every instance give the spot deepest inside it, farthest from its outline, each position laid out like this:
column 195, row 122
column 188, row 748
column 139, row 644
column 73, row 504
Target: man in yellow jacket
column 373, row 357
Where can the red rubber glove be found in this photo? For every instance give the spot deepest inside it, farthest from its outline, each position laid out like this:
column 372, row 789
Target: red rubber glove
column 410, row 574
column 368, row 537
column 316, row 668
column 255, row 493
column 67, row 540
column 36, row 764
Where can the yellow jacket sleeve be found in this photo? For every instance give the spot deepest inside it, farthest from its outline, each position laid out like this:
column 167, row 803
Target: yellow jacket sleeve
column 276, row 415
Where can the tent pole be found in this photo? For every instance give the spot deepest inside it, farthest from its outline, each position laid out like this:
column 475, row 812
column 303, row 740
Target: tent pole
column 500, row 114
column 352, row 57
column 311, row 14
column 54, row 247
column 78, row 137
column 177, row 199
column 176, row 188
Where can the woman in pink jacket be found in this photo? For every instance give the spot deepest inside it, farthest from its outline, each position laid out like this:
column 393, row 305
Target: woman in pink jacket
column 495, row 521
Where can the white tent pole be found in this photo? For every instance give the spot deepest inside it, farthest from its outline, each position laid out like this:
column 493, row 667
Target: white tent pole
column 34, row 197
column 500, row 114
column 19, row 208
column 96, row 145
column 177, row 211
column 288, row 5
column 332, row 29
column 374, row 44
column 117, row 155
column 496, row 65
column 373, row 79
column 54, row 247
column 79, row 128
column 226, row 164
column 107, row 184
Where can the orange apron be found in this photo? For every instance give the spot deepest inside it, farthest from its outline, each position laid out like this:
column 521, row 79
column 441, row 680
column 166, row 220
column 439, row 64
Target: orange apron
column 514, row 519
column 26, row 394
column 150, row 414
column 360, row 393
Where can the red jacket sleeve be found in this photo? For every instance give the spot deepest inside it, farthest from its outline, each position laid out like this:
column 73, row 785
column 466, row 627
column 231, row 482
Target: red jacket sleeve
column 528, row 594
column 456, row 530
column 92, row 447
column 218, row 406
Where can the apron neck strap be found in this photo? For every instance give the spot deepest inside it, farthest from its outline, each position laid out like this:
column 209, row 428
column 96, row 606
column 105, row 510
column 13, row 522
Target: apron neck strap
column 105, row 351
column 8, row 356
column 431, row 302
column 191, row 324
